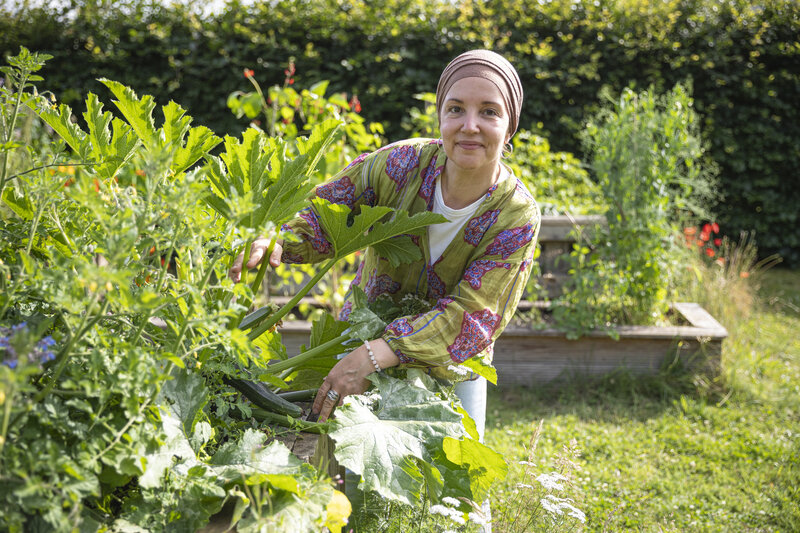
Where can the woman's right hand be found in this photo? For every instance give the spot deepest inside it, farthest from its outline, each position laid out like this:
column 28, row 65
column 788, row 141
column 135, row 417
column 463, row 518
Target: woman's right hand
column 257, row 251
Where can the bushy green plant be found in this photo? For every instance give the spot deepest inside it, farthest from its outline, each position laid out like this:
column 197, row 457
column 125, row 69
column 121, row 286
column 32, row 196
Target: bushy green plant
column 120, row 330
column 650, row 165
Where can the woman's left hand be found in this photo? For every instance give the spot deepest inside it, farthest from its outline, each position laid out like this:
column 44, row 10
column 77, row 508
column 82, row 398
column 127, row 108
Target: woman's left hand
column 349, row 376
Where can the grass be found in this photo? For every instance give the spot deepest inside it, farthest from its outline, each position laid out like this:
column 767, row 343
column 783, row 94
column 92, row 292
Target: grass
column 671, row 453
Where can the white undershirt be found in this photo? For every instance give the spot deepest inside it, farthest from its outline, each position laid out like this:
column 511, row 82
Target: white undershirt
column 440, row 235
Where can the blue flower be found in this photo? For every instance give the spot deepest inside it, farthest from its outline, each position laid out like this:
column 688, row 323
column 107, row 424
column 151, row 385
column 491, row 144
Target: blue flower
column 16, row 340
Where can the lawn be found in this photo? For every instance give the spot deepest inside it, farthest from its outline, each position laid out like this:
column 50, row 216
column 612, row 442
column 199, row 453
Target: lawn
column 673, row 453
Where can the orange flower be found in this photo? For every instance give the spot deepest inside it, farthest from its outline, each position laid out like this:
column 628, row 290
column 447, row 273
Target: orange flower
column 710, row 252
column 744, row 274
column 691, row 230
column 140, row 172
column 249, row 73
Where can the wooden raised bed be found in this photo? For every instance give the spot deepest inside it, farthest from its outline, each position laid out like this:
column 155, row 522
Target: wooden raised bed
column 527, row 356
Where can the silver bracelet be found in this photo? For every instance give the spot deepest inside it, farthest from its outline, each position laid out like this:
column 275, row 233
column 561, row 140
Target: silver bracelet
column 372, row 356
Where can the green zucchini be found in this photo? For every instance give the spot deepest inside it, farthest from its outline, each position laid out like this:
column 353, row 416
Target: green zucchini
column 302, row 425
column 264, row 398
column 298, row 395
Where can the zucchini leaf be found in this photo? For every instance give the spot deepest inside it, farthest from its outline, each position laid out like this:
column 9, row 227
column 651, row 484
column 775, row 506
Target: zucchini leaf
column 367, row 229
column 249, row 456
column 385, row 444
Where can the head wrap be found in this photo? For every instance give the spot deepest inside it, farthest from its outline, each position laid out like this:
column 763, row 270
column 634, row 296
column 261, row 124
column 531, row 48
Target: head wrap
column 488, row 65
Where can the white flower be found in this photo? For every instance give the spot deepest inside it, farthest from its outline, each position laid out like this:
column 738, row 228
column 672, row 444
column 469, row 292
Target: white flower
column 478, row 518
column 451, row 501
column 524, row 486
column 551, row 481
column 556, row 506
column 453, row 514
column 527, row 463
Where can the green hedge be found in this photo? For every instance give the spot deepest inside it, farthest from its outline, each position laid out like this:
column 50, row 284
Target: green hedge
column 742, row 61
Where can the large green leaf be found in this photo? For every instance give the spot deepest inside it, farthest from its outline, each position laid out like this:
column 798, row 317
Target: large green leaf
column 482, row 368
column 138, row 112
column 485, row 466
column 249, row 456
column 188, row 394
column 383, row 445
column 364, row 323
column 398, row 250
column 176, row 447
column 110, row 147
column 172, row 136
column 366, row 228
column 60, row 119
column 288, row 194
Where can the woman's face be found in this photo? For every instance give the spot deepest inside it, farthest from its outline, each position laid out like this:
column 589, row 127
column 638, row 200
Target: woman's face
column 474, row 123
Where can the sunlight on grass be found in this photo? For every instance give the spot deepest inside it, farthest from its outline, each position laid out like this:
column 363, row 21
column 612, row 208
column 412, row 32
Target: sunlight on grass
column 672, row 458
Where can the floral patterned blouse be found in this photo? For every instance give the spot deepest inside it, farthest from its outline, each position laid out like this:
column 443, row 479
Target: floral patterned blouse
column 474, row 287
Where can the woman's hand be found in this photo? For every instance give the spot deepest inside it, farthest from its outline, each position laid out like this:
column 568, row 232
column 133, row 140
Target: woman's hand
column 349, row 376
column 257, row 251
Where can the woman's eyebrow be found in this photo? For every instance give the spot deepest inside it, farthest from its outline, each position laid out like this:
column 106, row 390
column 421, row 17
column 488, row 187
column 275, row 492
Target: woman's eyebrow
column 485, row 102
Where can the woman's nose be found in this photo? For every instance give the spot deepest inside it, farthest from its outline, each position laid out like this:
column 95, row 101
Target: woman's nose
column 470, row 122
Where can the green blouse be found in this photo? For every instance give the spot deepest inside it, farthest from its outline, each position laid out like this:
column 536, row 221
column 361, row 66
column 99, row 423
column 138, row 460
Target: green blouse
column 474, row 287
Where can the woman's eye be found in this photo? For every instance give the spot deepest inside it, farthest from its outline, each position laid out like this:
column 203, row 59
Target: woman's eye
column 453, row 109
column 492, row 112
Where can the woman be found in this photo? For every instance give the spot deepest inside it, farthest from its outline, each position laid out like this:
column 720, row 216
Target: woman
column 474, row 268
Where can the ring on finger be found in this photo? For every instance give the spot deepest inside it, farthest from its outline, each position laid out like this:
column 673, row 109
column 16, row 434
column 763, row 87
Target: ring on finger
column 333, row 395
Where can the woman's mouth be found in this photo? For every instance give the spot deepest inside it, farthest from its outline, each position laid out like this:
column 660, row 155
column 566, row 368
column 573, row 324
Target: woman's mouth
column 470, row 145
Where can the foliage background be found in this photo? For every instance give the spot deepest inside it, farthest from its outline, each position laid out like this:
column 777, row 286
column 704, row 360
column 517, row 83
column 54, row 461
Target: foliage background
column 742, row 59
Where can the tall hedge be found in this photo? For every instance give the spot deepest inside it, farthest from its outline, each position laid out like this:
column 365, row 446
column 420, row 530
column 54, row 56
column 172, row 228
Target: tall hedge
column 742, row 60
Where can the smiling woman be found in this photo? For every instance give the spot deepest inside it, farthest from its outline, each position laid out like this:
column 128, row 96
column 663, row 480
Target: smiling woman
column 472, row 269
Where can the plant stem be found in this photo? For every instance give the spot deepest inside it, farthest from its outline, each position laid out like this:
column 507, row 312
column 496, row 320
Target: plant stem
column 10, row 131
column 65, row 354
column 297, row 360
column 283, row 311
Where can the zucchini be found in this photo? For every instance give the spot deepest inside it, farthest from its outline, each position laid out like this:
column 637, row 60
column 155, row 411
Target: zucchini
column 264, row 398
column 298, row 395
column 302, row 425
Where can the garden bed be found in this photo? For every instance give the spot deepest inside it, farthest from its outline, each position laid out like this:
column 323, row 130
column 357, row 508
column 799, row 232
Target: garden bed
column 527, row 355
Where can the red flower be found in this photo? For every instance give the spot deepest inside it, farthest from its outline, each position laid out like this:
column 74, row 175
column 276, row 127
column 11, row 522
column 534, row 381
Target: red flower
column 355, row 105
column 715, row 227
column 291, row 81
column 717, row 241
column 248, row 73
column 707, row 228
column 705, row 236
column 710, row 252
column 744, row 274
